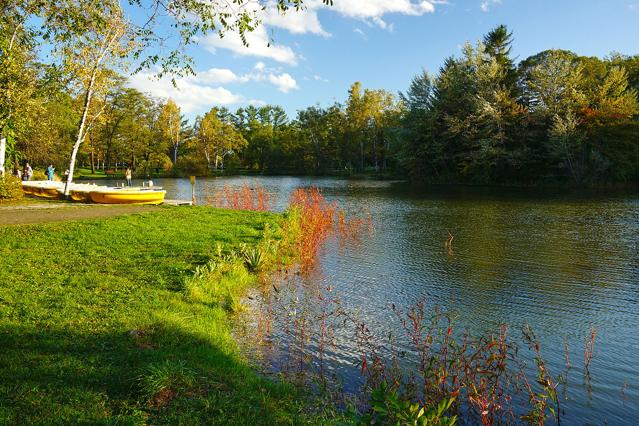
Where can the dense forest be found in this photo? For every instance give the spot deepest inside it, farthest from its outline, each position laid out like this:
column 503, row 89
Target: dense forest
column 554, row 117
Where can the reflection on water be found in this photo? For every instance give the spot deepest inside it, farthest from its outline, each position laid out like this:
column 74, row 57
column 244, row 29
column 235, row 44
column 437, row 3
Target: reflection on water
column 563, row 263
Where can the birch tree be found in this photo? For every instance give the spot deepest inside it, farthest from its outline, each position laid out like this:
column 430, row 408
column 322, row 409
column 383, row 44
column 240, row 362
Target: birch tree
column 170, row 122
column 104, row 41
column 217, row 138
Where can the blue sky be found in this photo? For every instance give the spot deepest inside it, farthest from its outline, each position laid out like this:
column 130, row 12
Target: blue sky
column 318, row 54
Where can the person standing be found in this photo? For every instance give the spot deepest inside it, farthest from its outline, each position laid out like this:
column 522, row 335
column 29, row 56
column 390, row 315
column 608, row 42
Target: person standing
column 128, row 175
column 28, row 172
column 50, row 171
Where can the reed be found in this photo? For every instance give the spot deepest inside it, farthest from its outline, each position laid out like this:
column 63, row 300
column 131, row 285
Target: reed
column 244, row 197
column 589, row 349
column 312, row 220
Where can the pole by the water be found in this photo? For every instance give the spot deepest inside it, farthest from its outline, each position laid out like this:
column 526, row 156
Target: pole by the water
column 192, row 180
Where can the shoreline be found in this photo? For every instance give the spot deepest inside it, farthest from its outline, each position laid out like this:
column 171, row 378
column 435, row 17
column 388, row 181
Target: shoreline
column 100, row 322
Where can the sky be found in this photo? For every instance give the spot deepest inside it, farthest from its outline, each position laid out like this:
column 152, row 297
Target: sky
column 315, row 55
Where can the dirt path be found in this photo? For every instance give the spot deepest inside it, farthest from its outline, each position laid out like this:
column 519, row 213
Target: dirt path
column 56, row 212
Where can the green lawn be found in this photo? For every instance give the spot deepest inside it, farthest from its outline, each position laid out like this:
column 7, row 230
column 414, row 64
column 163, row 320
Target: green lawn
column 93, row 315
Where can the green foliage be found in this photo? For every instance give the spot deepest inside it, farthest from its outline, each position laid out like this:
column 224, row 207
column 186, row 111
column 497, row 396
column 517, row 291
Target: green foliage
column 481, row 120
column 253, row 258
column 10, row 188
column 88, row 337
column 166, row 376
column 388, row 408
column 39, row 175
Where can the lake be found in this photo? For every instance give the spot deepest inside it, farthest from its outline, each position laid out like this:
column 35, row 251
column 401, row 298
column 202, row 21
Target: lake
column 562, row 262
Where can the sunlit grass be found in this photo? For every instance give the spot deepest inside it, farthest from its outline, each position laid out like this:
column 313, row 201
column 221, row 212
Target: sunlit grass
column 98, row 323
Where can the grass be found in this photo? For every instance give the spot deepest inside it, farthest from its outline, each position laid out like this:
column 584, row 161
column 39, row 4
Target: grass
column 96, row 325
column 85, row 173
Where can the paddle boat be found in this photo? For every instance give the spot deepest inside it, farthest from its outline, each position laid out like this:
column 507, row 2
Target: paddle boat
column 127, row 195
column 42, row 188
column 93, row 193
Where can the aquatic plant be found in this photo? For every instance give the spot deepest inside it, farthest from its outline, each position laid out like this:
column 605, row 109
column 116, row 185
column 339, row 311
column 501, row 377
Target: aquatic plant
column 483, row 378
column 243, row 197
column 388, row 408
column 589, row 349
column 311, row 220
column 540, row 400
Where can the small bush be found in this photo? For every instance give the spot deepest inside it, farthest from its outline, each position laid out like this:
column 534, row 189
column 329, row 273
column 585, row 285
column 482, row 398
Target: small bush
column 388, row 408
column 254, row 258
column 162, row 381
column 10, row 188
column 220, row 281
column 38, row 175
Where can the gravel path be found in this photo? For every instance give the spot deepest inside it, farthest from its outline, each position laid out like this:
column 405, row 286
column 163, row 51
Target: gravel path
column 20, row 214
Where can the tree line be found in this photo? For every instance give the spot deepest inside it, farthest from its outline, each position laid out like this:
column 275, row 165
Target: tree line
column 85, row 42
column 554, row 117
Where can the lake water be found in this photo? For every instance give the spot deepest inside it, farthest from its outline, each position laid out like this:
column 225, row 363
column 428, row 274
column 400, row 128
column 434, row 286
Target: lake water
column 561, row 262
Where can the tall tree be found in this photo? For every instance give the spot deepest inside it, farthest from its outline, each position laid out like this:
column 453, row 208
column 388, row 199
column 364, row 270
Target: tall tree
column 17, row 77
column 357, row 118
column 498, row 45
column 170, row 121
column 217, row 137
column 88, row 55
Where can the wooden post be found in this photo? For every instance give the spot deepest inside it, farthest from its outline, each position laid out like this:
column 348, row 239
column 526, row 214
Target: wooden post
column 192, row 180
column 3, row 149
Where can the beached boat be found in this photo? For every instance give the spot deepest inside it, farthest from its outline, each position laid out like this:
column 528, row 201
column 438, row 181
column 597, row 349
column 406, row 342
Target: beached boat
column 127, row 196
column 42, row 188
column 86, row 193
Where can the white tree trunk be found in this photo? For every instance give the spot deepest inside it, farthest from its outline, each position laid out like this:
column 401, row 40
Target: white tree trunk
column 3, row 150
column 80, row 137
column 111, row 38
column 175, row 153
column 208, row 158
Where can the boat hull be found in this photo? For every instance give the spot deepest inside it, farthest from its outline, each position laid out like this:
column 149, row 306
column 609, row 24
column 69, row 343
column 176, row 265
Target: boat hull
column 42, row 188
column 128, row 197
column 80, row 195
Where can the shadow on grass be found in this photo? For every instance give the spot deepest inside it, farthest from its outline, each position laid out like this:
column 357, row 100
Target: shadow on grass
column 58, row 376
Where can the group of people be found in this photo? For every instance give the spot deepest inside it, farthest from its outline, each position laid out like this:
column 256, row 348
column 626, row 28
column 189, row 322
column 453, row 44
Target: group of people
column 27, row 172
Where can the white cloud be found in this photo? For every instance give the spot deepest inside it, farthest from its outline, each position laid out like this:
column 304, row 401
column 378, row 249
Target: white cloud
column 191, row 95
column 319, row 78
column 361, row 33
column 296, row 22
column 307, row 21
column 284, row 82
column 258, row 45
column 195, row 94
column 486, row 5
column 374, row 10
column 218, row 76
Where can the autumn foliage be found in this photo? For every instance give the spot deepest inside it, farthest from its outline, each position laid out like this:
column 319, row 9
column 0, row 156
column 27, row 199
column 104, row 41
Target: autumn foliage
column 313, row 219
column 245, row 197
column 310, row 219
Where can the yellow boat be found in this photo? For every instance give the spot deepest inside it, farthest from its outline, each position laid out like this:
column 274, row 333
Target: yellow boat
column 27, row 189
column 45, row 189
column 81, row 191
column 127, row 196
column 80, row 195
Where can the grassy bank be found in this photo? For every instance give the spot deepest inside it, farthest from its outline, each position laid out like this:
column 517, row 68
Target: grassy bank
column 96, row 325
